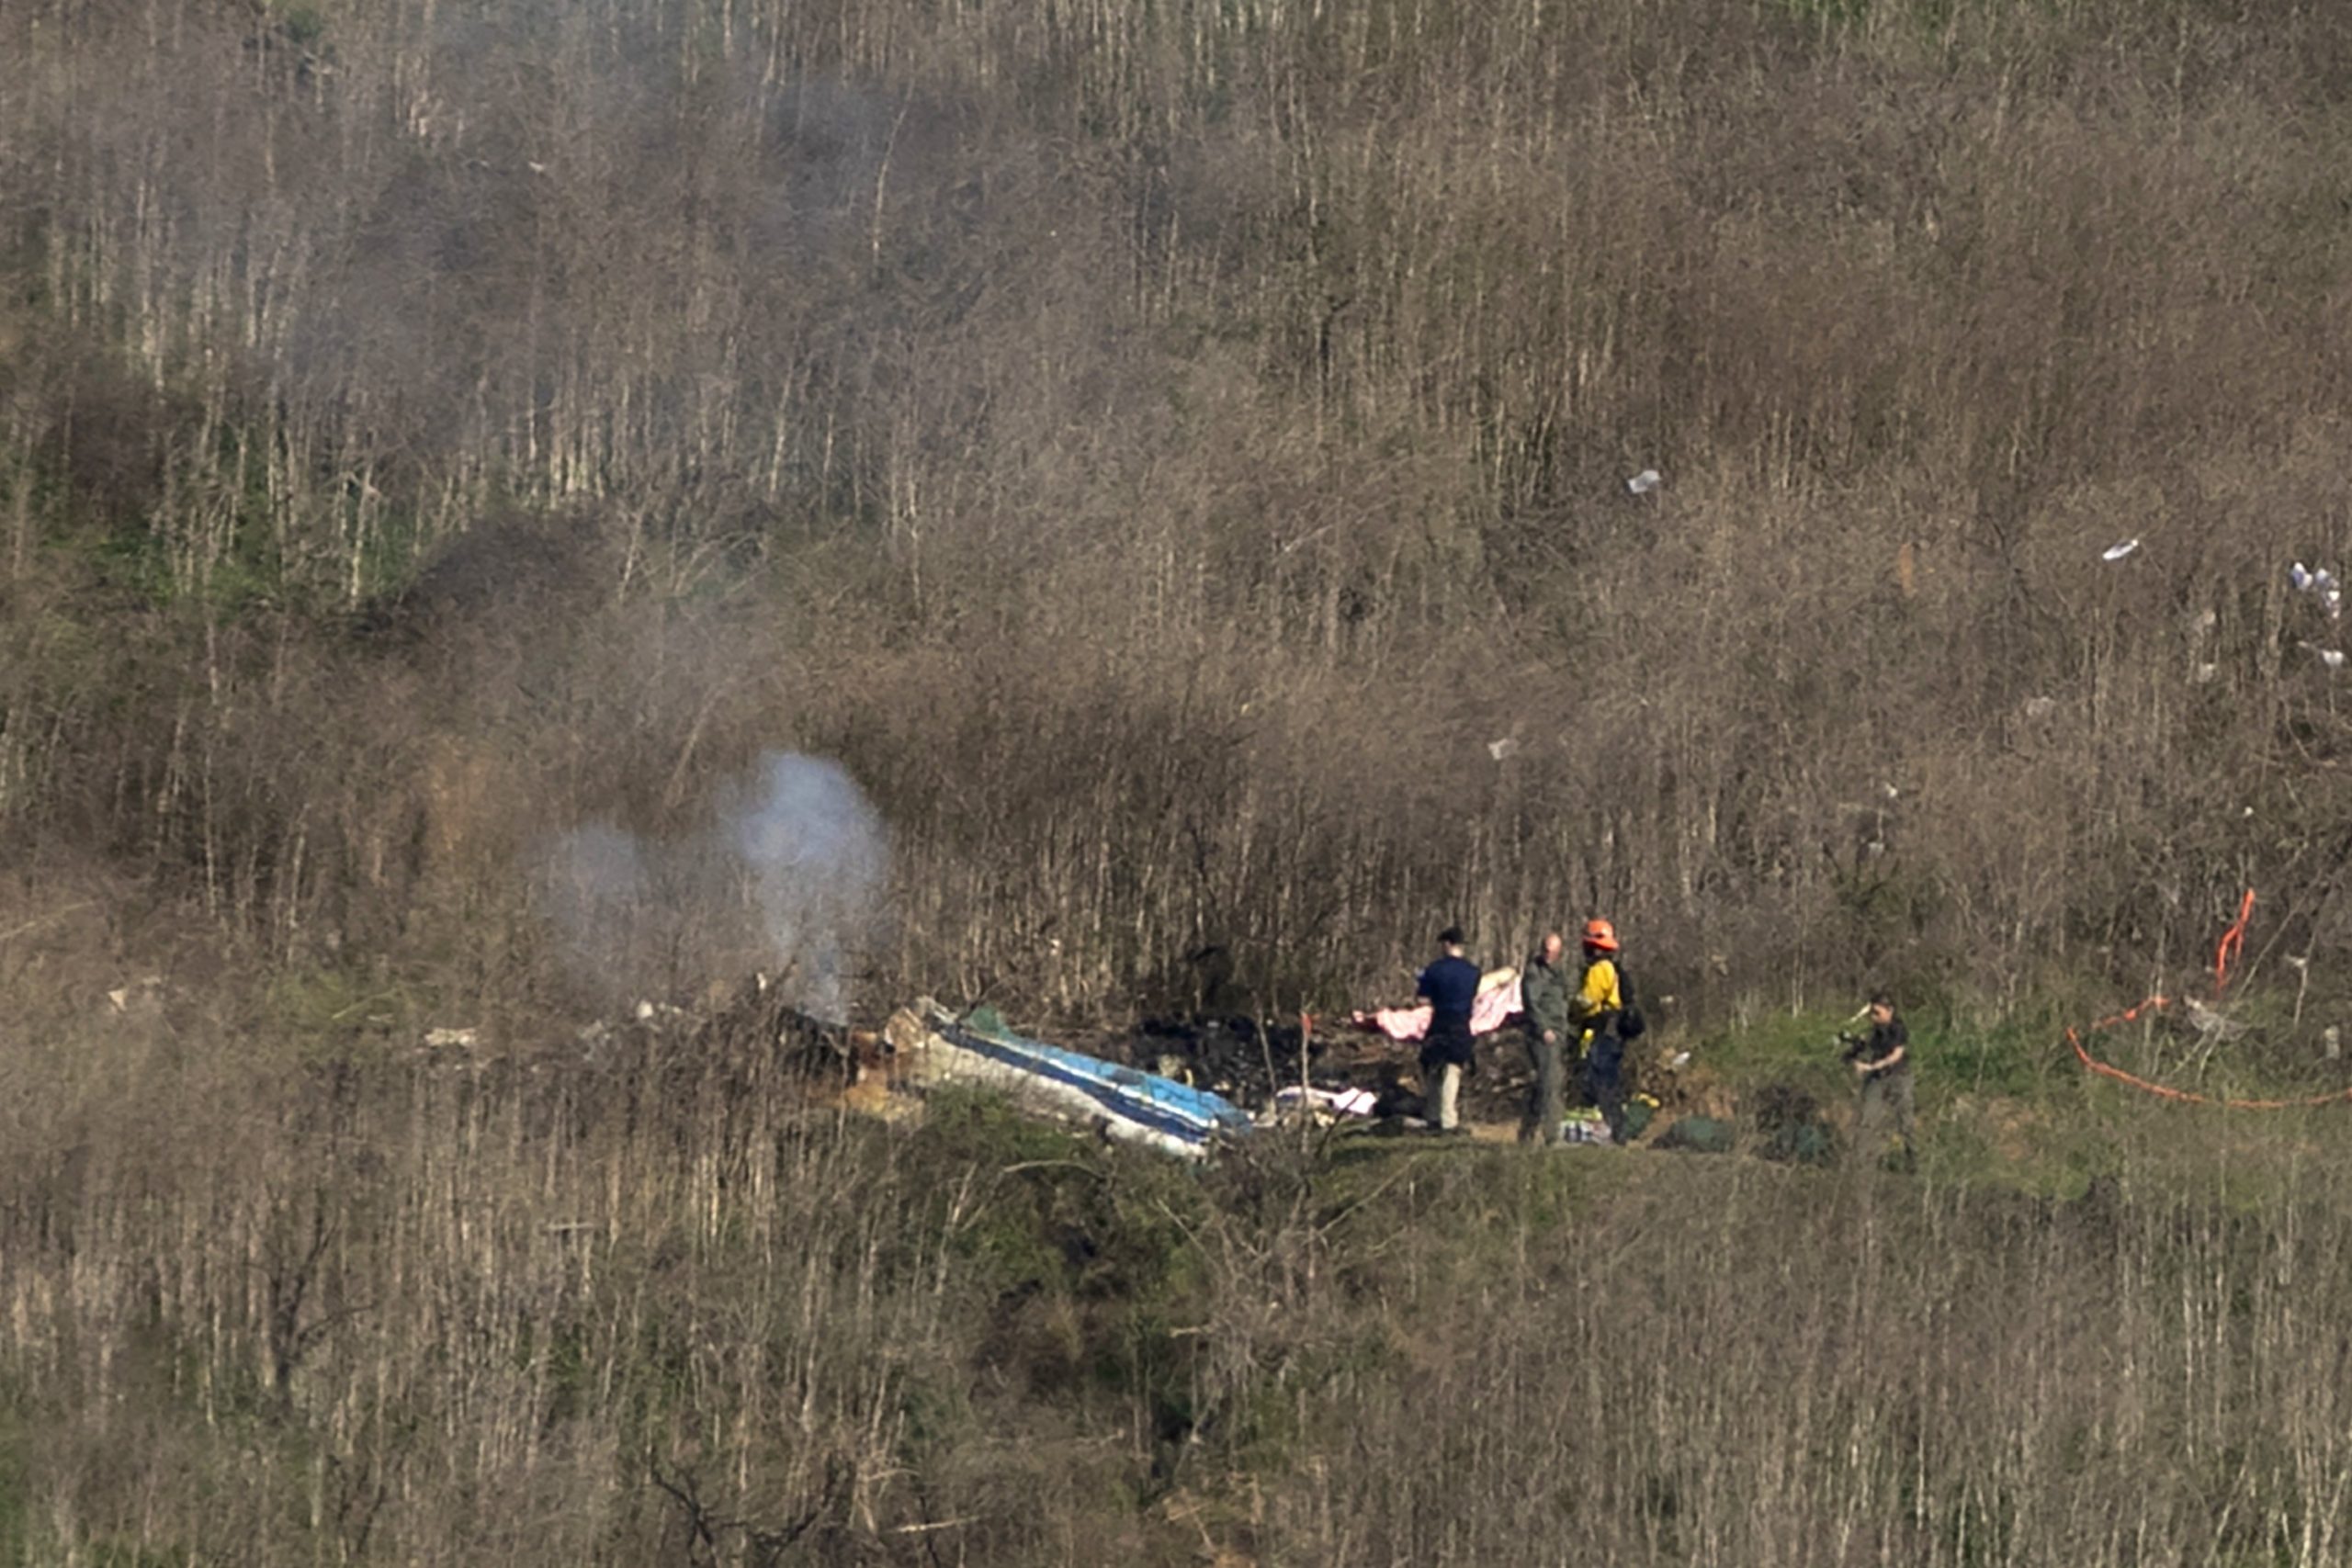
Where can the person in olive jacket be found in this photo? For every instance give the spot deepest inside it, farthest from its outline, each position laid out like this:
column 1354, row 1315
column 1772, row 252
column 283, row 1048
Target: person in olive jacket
column 1544, row 999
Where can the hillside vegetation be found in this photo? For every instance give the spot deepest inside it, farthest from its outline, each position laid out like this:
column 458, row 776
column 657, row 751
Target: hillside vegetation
column 1156, row 448
column 449, row 449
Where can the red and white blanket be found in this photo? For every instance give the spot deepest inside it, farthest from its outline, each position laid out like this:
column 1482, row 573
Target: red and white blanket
column 1497, row 999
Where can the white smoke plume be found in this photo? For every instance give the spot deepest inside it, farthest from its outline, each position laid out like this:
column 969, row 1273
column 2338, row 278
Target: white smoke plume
column 818, row 857
column 788, row 878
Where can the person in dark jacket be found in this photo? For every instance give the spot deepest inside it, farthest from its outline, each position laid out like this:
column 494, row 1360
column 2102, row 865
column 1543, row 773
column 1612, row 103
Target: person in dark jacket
column 1544, row 997
column 1450, row 988
column 1593, row 1011
column 1882, row 1062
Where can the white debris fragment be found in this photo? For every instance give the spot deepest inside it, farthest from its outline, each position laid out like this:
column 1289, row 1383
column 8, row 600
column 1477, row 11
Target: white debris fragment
column 143, row 997
column 2205, row 673
column 2331, row 657
column 1643, row 482
column 452, row 1039
column 2321, row 582
column 2209, row 1022
column 2117, row 552
column 1499, row 750
column 2041, row 708
column 1330, row 1103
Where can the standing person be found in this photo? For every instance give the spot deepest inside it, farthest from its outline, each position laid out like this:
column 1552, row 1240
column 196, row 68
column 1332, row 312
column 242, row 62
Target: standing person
column 1593, row 1011
column 1450, row 988
column 1882, row 1062
column 1543, row 997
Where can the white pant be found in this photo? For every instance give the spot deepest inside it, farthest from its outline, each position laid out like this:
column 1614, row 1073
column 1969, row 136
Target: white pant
column 1444, row 1097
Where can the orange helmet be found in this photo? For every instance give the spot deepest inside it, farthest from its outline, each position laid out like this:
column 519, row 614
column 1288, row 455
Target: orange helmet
column 1601, row 934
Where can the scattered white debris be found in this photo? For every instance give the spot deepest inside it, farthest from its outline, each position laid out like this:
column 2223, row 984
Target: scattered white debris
column 453, row 1039
column 2211, row 1022
column 1499, row 750
column 2205, row 673
column 1678, row 1060
column 2041, row 708
column 2331, row 657
column 1329, row 1102
column 2117, row 552
column 2332, row 1038
column 143, row 996
column 2321, row 582
column 1643, row 482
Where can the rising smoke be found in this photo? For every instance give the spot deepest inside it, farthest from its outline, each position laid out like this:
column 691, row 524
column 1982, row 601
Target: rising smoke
column 818, row 856
column 788, row 879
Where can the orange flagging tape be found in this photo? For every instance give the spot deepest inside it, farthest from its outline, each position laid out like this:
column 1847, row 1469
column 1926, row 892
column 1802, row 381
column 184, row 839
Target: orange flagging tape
column 2232, row 944
column 2186, row 1097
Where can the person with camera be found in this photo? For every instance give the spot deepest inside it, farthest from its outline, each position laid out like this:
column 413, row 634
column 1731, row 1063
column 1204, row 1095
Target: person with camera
column 1882, row 1064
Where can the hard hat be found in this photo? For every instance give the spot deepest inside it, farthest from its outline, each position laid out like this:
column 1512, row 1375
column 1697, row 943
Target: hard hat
column 1601, row 934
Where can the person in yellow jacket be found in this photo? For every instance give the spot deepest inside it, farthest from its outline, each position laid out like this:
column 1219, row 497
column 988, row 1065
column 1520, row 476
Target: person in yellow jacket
column 1594, row 1011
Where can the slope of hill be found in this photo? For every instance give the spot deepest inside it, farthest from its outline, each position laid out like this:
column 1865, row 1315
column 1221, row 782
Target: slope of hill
column 511, row 510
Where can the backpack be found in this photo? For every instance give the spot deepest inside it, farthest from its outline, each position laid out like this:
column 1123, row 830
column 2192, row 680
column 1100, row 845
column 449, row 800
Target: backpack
column 1630, row 1024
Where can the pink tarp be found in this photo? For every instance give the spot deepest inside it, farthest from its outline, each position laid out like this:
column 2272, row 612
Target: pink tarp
column 1487, row 1014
